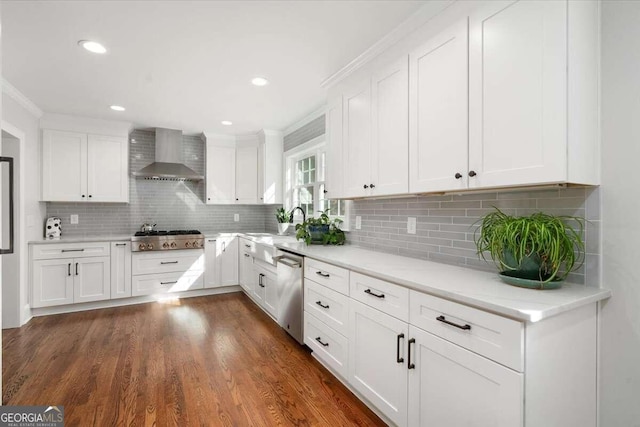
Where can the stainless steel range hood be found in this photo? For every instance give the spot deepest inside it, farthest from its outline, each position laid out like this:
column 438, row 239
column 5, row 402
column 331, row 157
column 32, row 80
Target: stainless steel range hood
column 168, row 162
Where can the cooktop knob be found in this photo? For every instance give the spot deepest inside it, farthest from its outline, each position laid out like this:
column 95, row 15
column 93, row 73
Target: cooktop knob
column 165, row 245
column 141, row 246
column 149, row 246
column 195, row 244
column 173, row 244
column 187, row 244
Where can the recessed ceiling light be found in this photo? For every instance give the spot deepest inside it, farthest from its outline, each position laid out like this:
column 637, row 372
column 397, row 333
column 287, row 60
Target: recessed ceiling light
column 94, row 47
column 117, row 108
column 226, row 122
column 259, row 81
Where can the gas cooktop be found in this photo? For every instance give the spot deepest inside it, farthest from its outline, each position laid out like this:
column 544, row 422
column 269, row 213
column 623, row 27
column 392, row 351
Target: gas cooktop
column 166, row 233
column 167, row 240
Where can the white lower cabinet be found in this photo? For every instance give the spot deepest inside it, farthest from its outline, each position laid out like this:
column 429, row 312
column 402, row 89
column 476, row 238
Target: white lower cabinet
column 377, row 360
column 92, row 280
column 162, row 272
column 221, row 262
column 328, row 345
column 451, row 386
column 245, row 271
column 120, row 269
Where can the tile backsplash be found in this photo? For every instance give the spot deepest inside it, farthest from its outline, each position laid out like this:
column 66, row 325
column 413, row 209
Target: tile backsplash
column 170, row 204
column 446, row 224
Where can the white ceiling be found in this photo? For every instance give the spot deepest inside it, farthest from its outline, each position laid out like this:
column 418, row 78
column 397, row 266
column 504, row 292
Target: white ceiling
column 185, row 64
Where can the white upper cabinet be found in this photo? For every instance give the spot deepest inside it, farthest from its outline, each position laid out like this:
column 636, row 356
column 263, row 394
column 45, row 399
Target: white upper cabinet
column 357, row 140
column 390, row 110
column 518, row 94
column 77, row 167
column 438, row 139
column 270, row 169
column 335, row 162
column 247, row 175
column 221, row 174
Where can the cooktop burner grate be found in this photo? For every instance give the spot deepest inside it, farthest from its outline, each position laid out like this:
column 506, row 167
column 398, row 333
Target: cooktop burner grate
column 166, row 233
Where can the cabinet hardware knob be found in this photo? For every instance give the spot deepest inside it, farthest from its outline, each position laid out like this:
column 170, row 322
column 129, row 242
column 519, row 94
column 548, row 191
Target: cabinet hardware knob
column 458, row 175
column 442, row 319
column 208, row 198
column 90, row 196
column 237, row 199
column 326, row 344
column 472, row 173
column 368, row 291
column 409, row 364
column 322, row 305
column 398, row 358
column 366, row 186
column 83, row 196
column 372, row 186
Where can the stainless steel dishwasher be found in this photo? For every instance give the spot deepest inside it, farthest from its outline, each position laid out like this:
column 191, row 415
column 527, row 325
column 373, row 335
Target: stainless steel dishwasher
column 290, row 293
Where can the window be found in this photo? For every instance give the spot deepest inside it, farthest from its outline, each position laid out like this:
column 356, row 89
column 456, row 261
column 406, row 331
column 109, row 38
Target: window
column 305, row 184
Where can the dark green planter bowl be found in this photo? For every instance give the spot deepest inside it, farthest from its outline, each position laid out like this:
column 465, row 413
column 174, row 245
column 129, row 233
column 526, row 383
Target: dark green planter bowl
column 317, row 233
column 527, row 274
column 514, row 278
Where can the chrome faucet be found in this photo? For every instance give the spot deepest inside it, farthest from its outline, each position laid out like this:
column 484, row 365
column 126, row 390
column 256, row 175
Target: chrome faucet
column 304, row 215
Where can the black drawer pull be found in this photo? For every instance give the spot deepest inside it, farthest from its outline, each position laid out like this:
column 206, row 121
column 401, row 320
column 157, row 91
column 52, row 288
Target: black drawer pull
column 121, row 244
column 368, row 291
column 76, row 268
column 168, row 262
column 398, row 358
column 466, row 327
column 320, row 273
column 326, row 344
column 211, row 240
column 73, row 250
column 260, row 276
column 322, row 305
column 69, row 269
column 411, row 365
column 247, row 246
column 169, row 283
column 247, row 255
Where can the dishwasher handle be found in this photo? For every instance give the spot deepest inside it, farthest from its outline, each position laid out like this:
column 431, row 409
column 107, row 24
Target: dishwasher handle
column 287, row 261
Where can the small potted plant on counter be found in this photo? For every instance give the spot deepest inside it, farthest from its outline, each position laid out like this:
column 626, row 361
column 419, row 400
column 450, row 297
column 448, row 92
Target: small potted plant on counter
column 536, row 251
column 284, row 218
column 322, row 230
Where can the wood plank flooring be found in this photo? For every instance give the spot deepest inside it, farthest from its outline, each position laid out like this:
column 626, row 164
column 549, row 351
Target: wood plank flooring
column 206, row 361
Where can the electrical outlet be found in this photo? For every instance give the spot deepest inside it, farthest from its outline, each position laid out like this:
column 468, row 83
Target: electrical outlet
column 236, row 217
column 74, row 219
column 411, row 225
column 358, row 222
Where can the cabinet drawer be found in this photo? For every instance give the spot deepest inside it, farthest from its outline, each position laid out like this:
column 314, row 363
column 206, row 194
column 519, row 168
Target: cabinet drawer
column 495, row 337
column 71, row 250
column 166, row 283
column 248, row 246
column 333, row 277
column 329, row 306
column 328, row 345
column 162, row 262
column 386, row 297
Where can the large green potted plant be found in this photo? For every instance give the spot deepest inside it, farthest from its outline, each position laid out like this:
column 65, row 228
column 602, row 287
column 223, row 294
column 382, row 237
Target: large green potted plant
column 536, row 251
column 322, row 230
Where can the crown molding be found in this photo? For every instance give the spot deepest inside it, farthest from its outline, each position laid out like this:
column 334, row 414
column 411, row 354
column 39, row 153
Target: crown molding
column 306, row 119
column 419, row 18
column 21, row 99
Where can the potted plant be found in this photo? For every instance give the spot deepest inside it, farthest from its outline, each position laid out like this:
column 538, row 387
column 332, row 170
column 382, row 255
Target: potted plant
column 536, row 251
column 284, row 218
column 322, row 230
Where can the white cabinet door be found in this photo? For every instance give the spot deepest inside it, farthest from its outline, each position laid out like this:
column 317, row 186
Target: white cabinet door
column 259, row 284
column 377, row 360
column 107, row 169
column 518, row 93
column 221, row 174
column 269, row 281
column 120, row 270
column 247, row 175
column 227, row 255
column 52, row 282
column 451, row 386
column 438, row 141
column 64, row 166
column 246, row 278
column 390, row 129
column 334, row 161
column 357, row 140
column 91, row 280
column 211, row 272
column 270, row 167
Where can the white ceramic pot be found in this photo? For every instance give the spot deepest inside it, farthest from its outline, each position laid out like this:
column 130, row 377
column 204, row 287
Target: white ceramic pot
column 282, row 228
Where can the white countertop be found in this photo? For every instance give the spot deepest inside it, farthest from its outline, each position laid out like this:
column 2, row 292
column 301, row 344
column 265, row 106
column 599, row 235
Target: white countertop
column 472, row 287
column 82, row 239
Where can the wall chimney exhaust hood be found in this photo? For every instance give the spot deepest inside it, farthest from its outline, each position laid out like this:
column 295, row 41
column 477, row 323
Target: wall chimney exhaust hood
column 168, row 164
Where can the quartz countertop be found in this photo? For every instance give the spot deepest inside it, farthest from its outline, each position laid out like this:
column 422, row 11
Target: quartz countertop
column 472, row 287
column 82, row 239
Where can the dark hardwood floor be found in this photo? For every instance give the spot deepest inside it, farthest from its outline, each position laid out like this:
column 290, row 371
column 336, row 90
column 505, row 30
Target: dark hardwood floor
column 206, row 361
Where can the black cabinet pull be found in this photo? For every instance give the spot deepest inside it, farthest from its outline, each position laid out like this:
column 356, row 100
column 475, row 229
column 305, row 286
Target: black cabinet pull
column 260, row 276
column 69, row 269
column 409, row 364
column 211, row 240
column 247, row 246
column 365, row 186
column 247, row 255
column 320, row 273
column 322, row 305
column 325, row 191
column 168, row 262
column 121, row 244
column 169, row 283
column 472, row 173
column 398, row 358
column 76, row 268
column 73, row 250
column 442, row 319
column 458, row 175
column 326, row 344
column 372, row 186
column 368, row 291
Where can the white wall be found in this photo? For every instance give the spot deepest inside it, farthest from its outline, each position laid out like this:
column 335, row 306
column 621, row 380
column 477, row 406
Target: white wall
column 620, row 320
column 19, row 117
